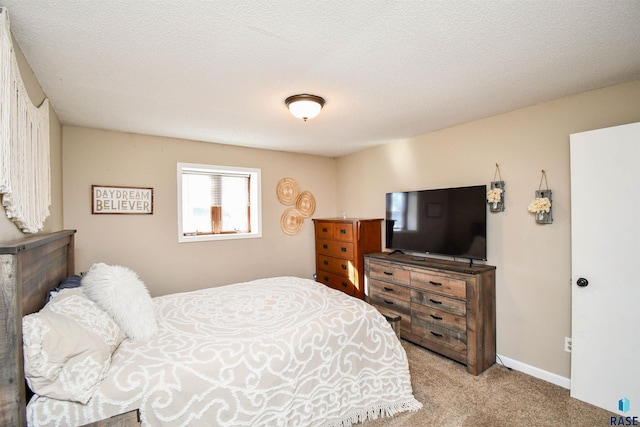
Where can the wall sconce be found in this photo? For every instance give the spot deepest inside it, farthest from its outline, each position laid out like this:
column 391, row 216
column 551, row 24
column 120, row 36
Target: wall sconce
column 495, row 196
column 541, row 205
column 304, row 106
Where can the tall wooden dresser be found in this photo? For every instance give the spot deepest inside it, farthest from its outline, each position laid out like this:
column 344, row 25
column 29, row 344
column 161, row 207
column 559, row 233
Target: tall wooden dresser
column 340, row 248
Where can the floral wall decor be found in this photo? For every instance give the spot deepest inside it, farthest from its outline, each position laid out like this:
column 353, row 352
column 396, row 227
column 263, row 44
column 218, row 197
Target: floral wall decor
column 495, row 195
column 541, row 205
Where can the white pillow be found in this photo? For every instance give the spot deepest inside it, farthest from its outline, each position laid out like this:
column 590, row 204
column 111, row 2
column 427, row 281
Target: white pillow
column 68, row 346
column 119, row 292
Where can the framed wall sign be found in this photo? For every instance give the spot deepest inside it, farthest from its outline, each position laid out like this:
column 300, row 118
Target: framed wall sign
column 108, row 199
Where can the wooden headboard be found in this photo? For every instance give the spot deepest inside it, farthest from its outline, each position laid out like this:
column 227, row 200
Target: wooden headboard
column 29, row 268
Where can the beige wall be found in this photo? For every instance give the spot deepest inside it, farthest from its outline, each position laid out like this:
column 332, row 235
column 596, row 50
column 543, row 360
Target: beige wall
column 8, row 230
column 149, row 243
column 533, row 261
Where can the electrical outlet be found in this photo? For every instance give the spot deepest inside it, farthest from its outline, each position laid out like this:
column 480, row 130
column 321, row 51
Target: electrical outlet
column 567, row 344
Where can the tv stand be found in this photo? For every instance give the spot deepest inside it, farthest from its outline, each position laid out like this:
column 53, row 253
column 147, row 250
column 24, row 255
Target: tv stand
column 446, row 306
column 396, row 251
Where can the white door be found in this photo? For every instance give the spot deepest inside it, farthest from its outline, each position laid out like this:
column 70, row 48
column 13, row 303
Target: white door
column 605, row 245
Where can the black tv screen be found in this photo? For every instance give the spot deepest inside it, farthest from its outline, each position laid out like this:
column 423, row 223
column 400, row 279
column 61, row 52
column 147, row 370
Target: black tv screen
column 446, row 221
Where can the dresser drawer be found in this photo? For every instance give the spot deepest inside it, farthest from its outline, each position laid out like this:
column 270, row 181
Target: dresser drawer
column 391, row 290
column 324, row 230
column 440, row 318
column 389, row 302
column 334, row 231
column 405, row 319
column 338, row 282
column 339, row 266
column 440, row 336
column 439, row 302
column 335, row 248
column 343, row 232
column 388, row 273
column 436, row 283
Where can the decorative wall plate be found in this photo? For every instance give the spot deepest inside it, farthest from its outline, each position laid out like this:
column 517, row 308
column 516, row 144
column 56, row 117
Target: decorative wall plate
column 291, row 221
column 306, row 204
column 287, row 191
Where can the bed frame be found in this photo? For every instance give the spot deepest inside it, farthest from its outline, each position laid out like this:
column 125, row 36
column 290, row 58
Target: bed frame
column 29, row 268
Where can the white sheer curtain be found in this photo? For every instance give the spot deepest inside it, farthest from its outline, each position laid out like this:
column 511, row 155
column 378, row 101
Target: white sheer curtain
column 25, row 177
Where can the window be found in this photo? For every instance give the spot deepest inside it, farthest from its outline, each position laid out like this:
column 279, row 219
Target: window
column 218, row 203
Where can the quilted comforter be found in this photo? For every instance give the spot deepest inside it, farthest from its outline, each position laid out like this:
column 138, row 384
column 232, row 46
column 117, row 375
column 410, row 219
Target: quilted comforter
column 272, row 352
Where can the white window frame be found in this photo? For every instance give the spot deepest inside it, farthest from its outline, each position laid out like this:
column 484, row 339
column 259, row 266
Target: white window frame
column 255, row 197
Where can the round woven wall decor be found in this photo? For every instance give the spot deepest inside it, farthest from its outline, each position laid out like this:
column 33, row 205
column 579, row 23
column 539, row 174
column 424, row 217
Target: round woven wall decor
column 291, row 221
column 287, row 191
column 306, row 204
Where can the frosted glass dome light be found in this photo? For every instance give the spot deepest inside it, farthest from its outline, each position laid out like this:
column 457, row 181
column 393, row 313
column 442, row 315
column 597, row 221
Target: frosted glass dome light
column 304, row 106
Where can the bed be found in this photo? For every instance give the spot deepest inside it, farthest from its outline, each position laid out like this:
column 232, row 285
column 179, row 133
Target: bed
column 275, row 351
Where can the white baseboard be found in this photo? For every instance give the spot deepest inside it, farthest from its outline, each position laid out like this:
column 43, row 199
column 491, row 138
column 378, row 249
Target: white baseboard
column 535, row 372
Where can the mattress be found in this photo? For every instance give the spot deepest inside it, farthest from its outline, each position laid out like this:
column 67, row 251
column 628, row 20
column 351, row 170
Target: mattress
column 280, row 351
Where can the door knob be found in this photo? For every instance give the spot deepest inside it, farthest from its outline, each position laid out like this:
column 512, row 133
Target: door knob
column 582, row 282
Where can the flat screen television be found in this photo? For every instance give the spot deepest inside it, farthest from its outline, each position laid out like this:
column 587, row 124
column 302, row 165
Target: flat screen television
column 445, row 221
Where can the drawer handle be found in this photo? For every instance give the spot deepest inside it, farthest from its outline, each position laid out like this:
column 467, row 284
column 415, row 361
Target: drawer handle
column 436, row 334
column 343, row 231
column 434, row 301
column 344, row 284
column 435, row 283
column 388, row 273
column 435, row 317
column 344, row 266
column 324, row 229
column 388, row 289
column 325, row 262
column 388, row 302
column 343, row 249
column 325, row 246
column 326, row 278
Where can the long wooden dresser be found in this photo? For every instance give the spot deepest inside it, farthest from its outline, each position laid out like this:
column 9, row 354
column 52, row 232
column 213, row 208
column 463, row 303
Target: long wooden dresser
column 445, row 306
column 340, row 248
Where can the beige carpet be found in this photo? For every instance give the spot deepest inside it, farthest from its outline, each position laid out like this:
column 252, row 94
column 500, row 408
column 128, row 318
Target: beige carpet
column 498, row 397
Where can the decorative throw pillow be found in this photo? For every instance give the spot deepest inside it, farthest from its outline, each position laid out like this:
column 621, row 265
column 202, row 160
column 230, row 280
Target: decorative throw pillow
column 119, row 292
column 68, row 346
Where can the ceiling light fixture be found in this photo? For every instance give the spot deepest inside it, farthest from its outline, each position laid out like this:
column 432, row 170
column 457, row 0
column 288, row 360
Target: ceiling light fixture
column 304, row 106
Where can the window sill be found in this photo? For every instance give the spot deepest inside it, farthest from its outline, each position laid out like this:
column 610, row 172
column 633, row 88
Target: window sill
column 216, row 237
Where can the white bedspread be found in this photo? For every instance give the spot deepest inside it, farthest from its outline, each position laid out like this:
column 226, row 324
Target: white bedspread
column 272, row 352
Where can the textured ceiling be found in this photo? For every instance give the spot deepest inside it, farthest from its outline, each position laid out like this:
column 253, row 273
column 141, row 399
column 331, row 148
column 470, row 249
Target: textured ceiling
column 219, row 71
